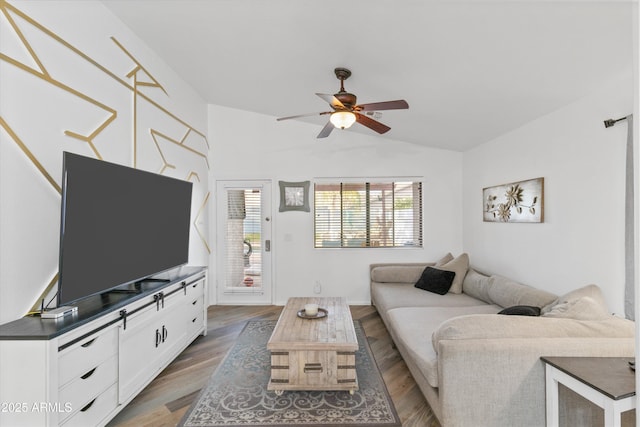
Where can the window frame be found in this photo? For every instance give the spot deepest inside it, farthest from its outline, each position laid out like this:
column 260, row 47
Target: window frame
column 368, row 182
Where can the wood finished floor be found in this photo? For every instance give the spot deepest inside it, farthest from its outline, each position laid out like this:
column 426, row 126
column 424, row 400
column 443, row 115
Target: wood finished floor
column 165, row 400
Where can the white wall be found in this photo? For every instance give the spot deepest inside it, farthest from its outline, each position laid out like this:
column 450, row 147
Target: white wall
column 246, row 145
column 70, row 93
column 582, row 238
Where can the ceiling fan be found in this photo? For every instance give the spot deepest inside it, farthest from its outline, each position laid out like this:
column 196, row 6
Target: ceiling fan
column 346, row 111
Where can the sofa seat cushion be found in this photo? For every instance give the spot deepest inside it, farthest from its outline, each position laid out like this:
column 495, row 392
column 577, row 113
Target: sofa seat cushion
column 387, row 296
column 414, row 326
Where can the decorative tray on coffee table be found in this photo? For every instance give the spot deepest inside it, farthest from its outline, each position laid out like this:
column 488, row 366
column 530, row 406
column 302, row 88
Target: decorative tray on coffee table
column 321, row 313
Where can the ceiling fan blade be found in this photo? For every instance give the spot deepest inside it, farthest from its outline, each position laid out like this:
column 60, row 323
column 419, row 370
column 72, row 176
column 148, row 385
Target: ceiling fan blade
column 326, row 130
column 304, row 115
column 400, row 104
column 371, row 124
column 332, row 100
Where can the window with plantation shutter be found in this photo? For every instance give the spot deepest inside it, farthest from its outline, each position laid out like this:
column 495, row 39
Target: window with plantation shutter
column 368, row 214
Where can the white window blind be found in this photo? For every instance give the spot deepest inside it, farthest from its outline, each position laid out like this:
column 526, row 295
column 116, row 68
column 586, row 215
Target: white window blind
column 243, row 241
column 368, row 214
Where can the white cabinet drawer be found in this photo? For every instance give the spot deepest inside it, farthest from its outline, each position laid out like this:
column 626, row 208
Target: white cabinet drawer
column 195, row 305
column 196, row 288
column 85, row 355
column 96, row 410
column 195, row 314
column 85, row 388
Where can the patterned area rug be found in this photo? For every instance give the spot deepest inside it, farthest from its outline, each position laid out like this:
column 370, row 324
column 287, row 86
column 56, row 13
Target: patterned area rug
column 237, row 394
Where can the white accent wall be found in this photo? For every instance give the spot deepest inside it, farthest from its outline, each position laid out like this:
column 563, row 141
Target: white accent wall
column 71, row 75
column 583, row 164
column 246, row 145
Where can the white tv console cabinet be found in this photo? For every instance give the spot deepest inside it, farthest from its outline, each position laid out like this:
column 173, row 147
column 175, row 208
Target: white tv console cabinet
column 81, row 370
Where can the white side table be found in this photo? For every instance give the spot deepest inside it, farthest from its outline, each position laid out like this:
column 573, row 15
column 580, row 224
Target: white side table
column 606, row 381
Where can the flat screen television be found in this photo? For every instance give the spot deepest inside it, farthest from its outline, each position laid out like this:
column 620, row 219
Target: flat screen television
column 119, row 225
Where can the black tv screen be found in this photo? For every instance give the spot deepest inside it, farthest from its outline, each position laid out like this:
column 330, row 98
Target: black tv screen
column 119, row 225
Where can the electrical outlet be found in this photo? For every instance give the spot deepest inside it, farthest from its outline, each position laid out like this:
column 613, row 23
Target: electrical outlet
column 317, row 289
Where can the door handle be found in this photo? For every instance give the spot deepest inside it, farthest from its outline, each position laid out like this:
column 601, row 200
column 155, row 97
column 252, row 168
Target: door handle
column 267, row 245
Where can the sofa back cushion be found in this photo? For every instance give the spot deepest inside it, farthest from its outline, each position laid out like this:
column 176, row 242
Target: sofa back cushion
column 506, row 293
column 399, row 273
column 477, row 285
column 459, row 266
column 586, row 303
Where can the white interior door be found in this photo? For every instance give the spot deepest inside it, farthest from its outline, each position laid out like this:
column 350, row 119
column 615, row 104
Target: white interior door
column 244, row 242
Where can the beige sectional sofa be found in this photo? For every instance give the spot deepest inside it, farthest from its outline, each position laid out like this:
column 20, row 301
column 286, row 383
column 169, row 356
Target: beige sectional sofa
column 477, row 368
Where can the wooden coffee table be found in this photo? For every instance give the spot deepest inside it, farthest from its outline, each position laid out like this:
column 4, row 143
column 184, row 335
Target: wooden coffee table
column 314, row 354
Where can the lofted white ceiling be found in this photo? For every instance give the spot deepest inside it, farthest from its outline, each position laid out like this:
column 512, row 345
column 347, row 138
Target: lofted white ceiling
column 470, row 70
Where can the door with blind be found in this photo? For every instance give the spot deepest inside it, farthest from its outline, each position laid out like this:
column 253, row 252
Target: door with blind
column 244, row 238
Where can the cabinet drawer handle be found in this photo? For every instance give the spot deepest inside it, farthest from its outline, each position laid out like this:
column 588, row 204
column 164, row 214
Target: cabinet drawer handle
column 86, row 408
column 88, row 343
column 88, row 374
column 312, row 367
column 194, row 320
column 194, row 303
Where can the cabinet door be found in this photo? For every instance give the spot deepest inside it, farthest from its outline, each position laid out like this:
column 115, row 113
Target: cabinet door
column 151, row 340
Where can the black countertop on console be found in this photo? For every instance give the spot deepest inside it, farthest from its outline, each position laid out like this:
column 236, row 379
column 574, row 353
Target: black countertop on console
column 91, row 308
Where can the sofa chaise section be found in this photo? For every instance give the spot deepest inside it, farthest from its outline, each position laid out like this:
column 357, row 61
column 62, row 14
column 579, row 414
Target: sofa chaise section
column 478, row 368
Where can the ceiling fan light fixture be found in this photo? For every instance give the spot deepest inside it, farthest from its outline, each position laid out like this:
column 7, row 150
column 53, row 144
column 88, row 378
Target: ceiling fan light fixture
column 342, row 119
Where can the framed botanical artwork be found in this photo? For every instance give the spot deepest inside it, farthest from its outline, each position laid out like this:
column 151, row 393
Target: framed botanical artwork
column 521, row 201
column 294, row 196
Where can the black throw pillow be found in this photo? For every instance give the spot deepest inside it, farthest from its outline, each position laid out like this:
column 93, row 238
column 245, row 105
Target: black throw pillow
column 521, row 310
column 435, row 280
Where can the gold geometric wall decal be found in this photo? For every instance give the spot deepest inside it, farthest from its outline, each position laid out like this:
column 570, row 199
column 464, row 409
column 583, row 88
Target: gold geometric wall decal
column 89, row 139
column 30, row 155
column 42, row 73
column 36, row 306
column 184, row 138
column 195, row 222
column 6, row 7
column 22, row 38
column 49, row 79
column 192, row 174
column 135, row 71
column 155, row 133
column 164, row 160
column 137, row 68
column 141, row 79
